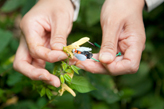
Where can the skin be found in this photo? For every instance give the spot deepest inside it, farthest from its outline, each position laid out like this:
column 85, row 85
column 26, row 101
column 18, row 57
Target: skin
column 45, row 28
column 123, row 31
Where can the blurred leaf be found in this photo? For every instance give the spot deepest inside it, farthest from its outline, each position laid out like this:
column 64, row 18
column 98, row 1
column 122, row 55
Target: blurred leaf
column 51, row 87
column 49, row 93
column 67, row 78
column 62, row 79
column 43, row 91
column 11, row 5
column 75, row 69
column 14, row 78
column 64, row 65
column 93, row 14
column 69, row 71
column 27, row 6
column 83, row 101
column 81, row 84
column 26, row 104
column 105, row 94
column 137, row 78
column 5, row 37
column 41, row 102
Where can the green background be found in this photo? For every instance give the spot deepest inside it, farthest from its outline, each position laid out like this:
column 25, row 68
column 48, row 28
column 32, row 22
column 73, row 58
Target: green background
column 142, row 90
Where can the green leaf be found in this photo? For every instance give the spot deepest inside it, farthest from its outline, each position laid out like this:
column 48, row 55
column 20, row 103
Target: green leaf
column 93, row 13
column 69, row 71
column 81, row 84
column 67, row 78
column 14, row 78
column 64, row 65
column 51, row 87
column 5, row 37
column 11, row 5
column 75, row 69
column 27, row 6
column 43, row 91
column 49, row 93
column 62, row 79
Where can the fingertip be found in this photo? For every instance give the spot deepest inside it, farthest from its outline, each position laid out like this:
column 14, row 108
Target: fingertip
column 55, row 81
column 44, row 75
column 106, row 57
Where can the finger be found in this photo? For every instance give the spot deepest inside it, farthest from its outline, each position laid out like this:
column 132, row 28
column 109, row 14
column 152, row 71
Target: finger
column 92, row 66
column 111, row 31
column 60, row 30
column 38, row 63
column 54, row 80
column 37, row 37
column 22, row 63
column 129, row 64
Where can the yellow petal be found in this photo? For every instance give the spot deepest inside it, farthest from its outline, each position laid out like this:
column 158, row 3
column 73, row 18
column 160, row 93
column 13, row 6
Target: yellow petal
column 65, row 87
column 68, row 49
column 81, row 41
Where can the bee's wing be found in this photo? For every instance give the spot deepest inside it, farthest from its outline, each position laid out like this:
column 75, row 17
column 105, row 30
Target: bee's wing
column 80, row 57
column 84, row 49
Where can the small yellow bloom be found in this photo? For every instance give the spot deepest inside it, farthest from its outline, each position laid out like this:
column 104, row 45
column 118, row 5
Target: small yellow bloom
column 65, row 87
column 68, row 49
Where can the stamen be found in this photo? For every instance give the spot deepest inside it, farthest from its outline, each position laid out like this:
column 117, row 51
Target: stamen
column 91, row 43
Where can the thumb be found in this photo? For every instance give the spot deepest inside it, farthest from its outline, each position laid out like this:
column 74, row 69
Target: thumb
column 60, row 30
column 109, row 43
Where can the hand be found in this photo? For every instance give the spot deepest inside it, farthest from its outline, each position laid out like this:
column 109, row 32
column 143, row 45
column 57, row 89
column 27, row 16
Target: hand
column 32, row 68
column 123, row 31
column 45, row 27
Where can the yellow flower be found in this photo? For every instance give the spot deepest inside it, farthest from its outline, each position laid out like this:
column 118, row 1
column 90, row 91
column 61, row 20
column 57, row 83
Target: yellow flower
column 65, row 87
column 68, row 49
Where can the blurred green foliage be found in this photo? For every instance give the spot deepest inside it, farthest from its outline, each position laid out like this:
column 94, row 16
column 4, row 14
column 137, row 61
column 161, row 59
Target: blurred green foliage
column 142, row 90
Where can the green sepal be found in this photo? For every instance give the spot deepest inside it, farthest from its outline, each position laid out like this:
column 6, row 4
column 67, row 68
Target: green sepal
column 67, row 78
column 64, row 65
column 51, row 87
column 43, row 91
column 69, row 71
column 75, row 69
column 62, row 79
column 48, row 93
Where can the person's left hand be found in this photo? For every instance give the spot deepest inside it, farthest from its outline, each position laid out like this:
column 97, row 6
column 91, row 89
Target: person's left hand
column 123, row 31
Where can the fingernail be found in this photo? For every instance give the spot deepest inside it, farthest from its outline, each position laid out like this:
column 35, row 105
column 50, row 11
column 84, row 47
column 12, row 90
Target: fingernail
column 106, row 57
column 62, row 57
column 54, row 83
column 43, row 77
column 58, row 46
column 80, row 66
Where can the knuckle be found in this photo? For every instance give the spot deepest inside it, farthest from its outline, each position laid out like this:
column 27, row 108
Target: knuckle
column 108, row 46
column 58, row 39
column 34, row 75
column 61, row 13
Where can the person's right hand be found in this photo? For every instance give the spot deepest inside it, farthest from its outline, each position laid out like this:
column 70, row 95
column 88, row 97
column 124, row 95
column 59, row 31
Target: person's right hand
column 46, row 27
